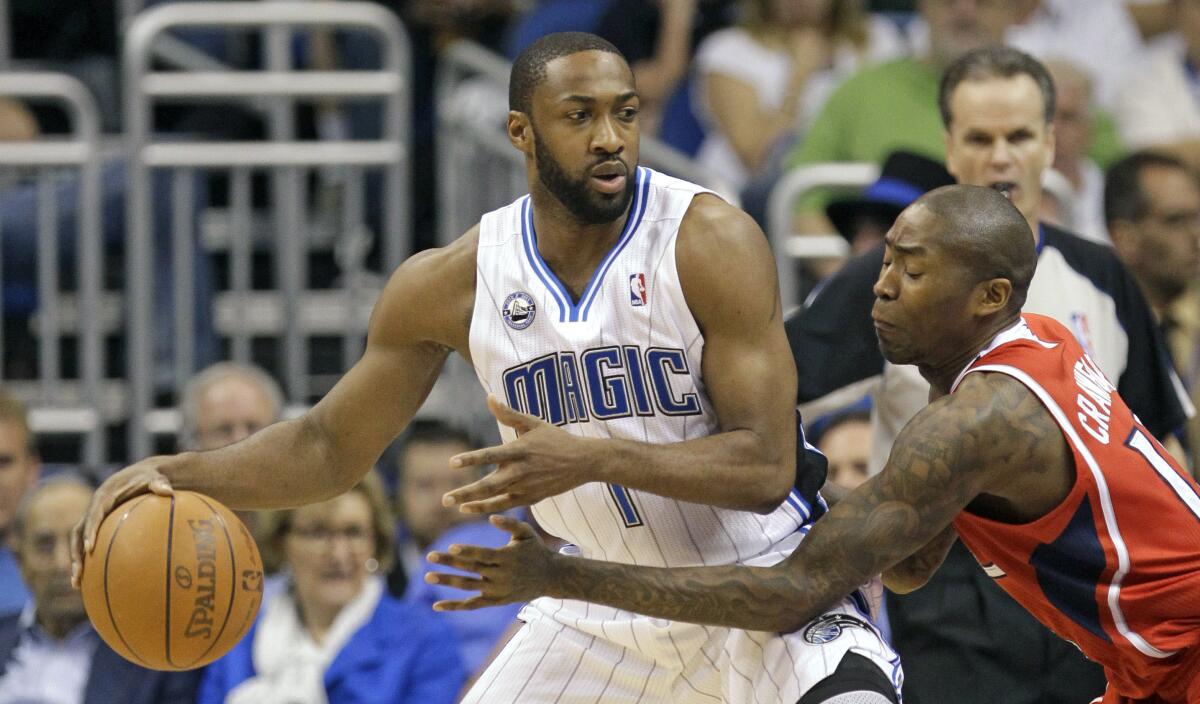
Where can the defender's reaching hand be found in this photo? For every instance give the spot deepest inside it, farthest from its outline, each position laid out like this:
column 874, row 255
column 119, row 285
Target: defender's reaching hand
column 519, row 571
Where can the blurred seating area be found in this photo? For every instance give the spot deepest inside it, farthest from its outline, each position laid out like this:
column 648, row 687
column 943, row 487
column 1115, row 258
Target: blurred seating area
column 200, row 202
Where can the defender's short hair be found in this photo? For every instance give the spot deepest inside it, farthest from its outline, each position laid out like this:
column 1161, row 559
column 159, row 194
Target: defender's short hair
column 529, row 69
column 1124, row 197
column 995, row 62
column 986, row 235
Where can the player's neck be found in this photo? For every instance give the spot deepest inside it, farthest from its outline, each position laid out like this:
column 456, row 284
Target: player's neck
column 570, row 248
column 942, row 374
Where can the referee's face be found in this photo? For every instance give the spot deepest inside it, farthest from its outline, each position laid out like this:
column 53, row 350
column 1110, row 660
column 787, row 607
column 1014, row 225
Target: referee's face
column 998, row 138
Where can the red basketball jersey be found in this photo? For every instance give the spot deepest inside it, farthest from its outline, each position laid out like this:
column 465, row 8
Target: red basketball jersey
column 1114, row 568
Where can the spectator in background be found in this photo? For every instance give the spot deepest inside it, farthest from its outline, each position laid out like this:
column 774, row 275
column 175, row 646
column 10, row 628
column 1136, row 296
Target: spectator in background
column 767, row 78
column 894, row 106
column 49, row 652
column 656, row 39
column 17, row 123
column 225, row 403
column 1157, row 107
column 19, row 469
column 1152, row 206
column 335, row 634
column 424, row 475
column 1073, row 118
column 1099, row 36
column 845, row 440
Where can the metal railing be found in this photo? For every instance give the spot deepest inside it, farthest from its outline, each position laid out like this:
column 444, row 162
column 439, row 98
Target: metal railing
column 57, row 409
column 282, row 156
column 781, row 214
column 478, row 169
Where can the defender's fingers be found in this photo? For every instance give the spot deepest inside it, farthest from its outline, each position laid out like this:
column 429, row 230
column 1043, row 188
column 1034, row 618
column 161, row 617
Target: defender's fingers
column 519, row 529
column 475, row 602
column 458, row 581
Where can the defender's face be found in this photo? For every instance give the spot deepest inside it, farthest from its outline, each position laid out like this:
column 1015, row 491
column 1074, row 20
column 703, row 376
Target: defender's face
column 998, row 137
column 920, row 297
column 585, row 134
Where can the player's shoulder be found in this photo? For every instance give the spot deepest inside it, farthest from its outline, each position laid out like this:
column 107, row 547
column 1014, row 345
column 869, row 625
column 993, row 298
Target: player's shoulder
column 430, row 284
column 711, row 221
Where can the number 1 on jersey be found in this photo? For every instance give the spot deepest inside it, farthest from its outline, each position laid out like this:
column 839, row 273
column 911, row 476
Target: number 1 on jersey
column 625, row 506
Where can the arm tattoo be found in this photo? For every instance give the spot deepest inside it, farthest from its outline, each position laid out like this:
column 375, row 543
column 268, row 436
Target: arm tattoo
column 948, row 454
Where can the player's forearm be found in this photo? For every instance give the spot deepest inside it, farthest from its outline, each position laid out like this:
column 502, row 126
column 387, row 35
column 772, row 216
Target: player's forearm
column 286, row 464
column 735, row 470
column 734, row 596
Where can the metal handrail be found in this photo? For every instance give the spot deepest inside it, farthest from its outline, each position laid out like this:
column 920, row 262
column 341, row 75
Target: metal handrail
column 273, row 90
column 83, row 152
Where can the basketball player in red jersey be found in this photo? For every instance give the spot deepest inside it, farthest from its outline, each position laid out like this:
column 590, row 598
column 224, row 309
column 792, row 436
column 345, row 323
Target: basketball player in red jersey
column 1026, row 452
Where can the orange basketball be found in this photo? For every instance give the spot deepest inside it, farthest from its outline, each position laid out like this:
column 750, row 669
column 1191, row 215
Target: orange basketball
column 173, row 582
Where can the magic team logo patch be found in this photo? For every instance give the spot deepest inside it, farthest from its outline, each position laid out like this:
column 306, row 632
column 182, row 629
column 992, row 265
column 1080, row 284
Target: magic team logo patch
column 829, row 628
column 519, row 310
column 638, row 295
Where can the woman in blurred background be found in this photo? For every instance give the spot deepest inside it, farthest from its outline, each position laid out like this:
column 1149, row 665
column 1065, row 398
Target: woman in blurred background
column 767, row 77
column 335, row 635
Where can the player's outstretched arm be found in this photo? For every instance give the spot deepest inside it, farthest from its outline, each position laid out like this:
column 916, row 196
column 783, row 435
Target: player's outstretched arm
column 954, row 450
column 324, row 452
column 728, row 279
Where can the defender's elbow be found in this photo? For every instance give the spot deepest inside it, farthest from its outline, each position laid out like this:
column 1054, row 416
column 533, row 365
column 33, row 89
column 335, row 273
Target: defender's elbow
column 773, row 491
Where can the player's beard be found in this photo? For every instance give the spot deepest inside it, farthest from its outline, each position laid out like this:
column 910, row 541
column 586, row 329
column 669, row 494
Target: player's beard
column 586, row 205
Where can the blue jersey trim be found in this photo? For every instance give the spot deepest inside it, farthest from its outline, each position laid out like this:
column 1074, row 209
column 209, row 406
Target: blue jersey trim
column 568, row 310
column 539, row 267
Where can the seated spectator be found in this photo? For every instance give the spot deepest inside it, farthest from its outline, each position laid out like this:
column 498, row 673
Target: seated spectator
column 19, row 469
column 225, row 403
column 768, row 77
column 1074, row 116
column 424, row 476
column 1099, row 36
column 1157, row 107
column 845, row 440
column 335, row 634
column 49, row 652
column 1152, row 205
column 865, row 219
column 895, row 105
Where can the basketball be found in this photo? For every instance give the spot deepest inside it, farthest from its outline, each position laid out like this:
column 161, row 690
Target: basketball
column 173, row 583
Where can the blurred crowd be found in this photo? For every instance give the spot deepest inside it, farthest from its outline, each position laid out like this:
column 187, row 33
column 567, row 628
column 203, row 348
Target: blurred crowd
column 749, row 89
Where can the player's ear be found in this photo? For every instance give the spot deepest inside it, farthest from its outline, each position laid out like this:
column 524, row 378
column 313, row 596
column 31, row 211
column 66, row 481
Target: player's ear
column 520, row 131
column 993, row 296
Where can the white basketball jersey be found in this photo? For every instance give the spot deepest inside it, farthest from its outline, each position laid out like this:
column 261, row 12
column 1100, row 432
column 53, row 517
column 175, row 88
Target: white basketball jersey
column 621, row 362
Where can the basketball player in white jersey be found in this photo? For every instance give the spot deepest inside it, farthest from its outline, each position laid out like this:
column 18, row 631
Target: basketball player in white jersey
column 627, row 327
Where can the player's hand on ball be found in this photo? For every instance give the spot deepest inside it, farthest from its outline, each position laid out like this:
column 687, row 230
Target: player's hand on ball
column 138, row 478
column 517, row 572
column 543, row 461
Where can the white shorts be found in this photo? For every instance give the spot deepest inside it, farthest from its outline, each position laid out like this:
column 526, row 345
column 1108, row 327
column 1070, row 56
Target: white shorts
column 570, row 652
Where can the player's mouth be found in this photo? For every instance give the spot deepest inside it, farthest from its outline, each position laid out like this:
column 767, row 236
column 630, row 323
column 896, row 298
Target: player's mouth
column 609, row 177
column 1008, row 188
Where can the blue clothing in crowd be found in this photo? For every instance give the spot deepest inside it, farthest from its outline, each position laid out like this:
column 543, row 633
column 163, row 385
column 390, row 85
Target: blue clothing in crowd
column 402, row 655
column 477, row 631
column 13, row 594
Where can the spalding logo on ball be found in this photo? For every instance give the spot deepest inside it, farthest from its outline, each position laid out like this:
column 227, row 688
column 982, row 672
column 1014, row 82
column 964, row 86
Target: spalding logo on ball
column 173, row 582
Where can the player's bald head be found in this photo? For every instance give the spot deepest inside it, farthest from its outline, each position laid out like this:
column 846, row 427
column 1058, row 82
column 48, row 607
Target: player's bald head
column 984, row 234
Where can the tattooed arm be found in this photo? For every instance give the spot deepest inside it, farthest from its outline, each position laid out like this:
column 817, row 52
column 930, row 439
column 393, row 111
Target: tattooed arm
column 954, row 450
column 911, row 573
